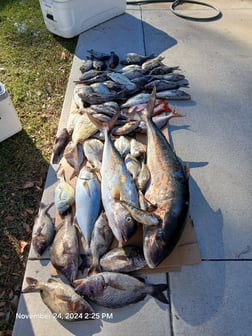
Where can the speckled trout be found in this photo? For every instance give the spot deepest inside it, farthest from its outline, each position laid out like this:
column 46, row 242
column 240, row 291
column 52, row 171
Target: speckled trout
column 116, row 184
column 168, row 189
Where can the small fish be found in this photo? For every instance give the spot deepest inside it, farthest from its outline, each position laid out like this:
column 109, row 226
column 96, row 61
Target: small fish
column 83, row 129
column 80, row 88
column 64, row 253
column 123, row 259
column 141, row 81
column 93, row 149
column 75, row 157
column 126, row 128
column 115, row 290
column 113, row 60
column 113, row 86
column 134, row 58
column 161, row 85
column 153, row 63
column 141, row 216
column 137, row 99
column 96, row 79
column 61, row 141
column 173, row 95
column 133, row 74
column 43, row 230
column 143, row 177
column 86, row 65
column 133, row 165
column 122, row 79
column 90, row 74
column 122, row 144
column 130, row 67
column 137, row 149
column 99, row 55
column 98, row 98
column 175, row 77
column 88, row 202
column 63, row 194
column 162, row 69
column 100, row 88
column 101, row 240
column 61, row 299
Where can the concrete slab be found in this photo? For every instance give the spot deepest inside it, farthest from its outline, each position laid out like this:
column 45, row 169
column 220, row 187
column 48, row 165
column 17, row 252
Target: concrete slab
column 212, row 299
column 34, row 318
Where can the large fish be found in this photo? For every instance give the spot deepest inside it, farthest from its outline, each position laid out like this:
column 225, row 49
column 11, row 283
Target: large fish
column 61, row 299
column 43, row 230
column 116, row 183
column 64, row 253
column 88, row 201
column 115, row 290
column 168, row 189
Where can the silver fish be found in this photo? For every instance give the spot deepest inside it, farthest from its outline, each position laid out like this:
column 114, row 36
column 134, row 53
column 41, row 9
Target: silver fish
column 93, row 149
column 90, row 74
column 168, row 190
column 136, row 73
column 86, row 65
column 126, row 128
column 101, row 240
column 123, row 259
column 61, row 299
column 63, row 194
column 100, row 88
column 175, row 77
column 143, row 177
column 134, row 58
column 75, row 157
column 43, row 230
column 122, row 79
column 173, row 95
column 122, row 144
column 137, row 149
column 153, row 63
column 133, row 165
column 162, row 70
column 116, row 182
column 137, row 99
column 64, row 253
column 99, row 65
column 115, row 290
column 88, row 202
column 161, row 85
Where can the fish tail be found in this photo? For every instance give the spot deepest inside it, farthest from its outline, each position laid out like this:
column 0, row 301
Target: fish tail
column 148, row 112
column 175, row 114
column 104, row 125
column 157, row 292
column 94, row 269
column 32, row 285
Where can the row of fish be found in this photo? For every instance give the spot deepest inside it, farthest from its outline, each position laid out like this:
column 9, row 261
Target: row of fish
column 117, row 185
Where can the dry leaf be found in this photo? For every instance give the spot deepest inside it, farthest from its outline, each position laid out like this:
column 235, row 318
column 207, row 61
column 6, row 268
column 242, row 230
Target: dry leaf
column 21, row 246
column 28, row 184
column 29, row 211
column 63, row 56
column 9, row 218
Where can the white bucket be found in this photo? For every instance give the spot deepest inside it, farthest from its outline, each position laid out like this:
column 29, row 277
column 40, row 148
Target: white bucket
column 68, row 18
column 9, row 121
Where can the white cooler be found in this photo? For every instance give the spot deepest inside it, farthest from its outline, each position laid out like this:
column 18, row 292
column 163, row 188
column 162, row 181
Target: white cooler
column 68, row 18
column 9, row 121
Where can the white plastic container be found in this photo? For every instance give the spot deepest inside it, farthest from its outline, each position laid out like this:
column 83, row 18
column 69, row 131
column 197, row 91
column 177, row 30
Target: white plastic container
column 68, row 18
column 9, row 121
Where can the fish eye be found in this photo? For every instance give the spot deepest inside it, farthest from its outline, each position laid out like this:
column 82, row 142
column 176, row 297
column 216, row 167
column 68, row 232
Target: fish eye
column 128, row 219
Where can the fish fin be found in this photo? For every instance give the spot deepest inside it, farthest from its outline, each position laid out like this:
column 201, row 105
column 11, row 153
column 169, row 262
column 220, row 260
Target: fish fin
column 157, row 292
column 32, row 285
column 104, row 125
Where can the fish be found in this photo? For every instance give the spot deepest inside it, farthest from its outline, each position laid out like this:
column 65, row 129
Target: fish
column 122, row 79
column 126, row 128
column 101, row 77
column 175, row 77
column 137, row 149
column 174, row 95
column 124, row 259
column 75, row 157
column 133, row 165
column 113, row 60
column 143, row 177
column 141, row 81
column 101, row 240
column 61, row 299
column 162, row 69
column 122, row 144
column 115, row 290
column 116, row 180
column 43, row 230
column 99, row 65
column 80, row 88
column 83, row 129
column 99, row 55
column 113, row 86
column 135, row 73
column 136, row 99
column 90, row 74
column 88, row 202
column 100, row 88
column 61, row 141
column 161, row 85
column 140, row 215
column 64, row 253
column 93, row 149
column 99, row 98
column 86, row 65
column 130, row 67
column 153, row 63
column 71, row 121
column 134, row 58
column 168, row 189
column 63, row 194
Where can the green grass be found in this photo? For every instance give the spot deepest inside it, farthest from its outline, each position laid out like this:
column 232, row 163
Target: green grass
column 34, row 66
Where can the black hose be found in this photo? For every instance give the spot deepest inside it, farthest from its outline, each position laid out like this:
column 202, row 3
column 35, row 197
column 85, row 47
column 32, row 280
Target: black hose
column 176, row 3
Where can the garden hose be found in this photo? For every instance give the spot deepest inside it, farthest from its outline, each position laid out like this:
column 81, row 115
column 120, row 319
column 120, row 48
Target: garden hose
column 177, row 3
